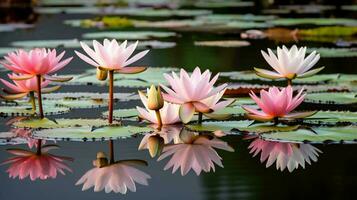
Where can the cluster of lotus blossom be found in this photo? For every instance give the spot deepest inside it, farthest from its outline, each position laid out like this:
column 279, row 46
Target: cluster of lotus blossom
column 187, row 97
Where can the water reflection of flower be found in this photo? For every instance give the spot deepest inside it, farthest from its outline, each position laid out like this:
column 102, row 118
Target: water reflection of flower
column 118, row 177
column 37, row 165
column 194, row 151
column 169, row 133
column 286, row 155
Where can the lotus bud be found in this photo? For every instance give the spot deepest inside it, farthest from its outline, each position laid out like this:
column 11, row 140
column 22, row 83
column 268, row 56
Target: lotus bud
column 102, row 74
column 101, row 160
column 155, row 99
column 155, row 145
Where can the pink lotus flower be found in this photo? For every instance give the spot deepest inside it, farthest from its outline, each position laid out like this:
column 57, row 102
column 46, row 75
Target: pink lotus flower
column 191, row 92
column 36, row 62
column 169, row 113
column 194, row 152
column 286, row 155
column 118, row 177
column 36, row 165
column 112, row 56
column 289, row 63
column 21, row 88
column 276, row 103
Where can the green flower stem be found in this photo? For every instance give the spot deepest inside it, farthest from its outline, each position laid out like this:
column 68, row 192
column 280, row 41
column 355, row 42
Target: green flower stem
column 111, row 152
column 32, row 101
column 111, row 92
column 39, row 96
column 199, row 118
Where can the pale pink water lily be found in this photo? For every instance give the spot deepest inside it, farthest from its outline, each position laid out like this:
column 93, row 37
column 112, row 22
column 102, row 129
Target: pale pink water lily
column 109, row 57
column 191, row 91
column 289, row 63
column 36, row 165
column 113, row 56
column 194, row 152
column 36, row 62
column 21, row 88
column 118, row 177
column 39, row 63
column 169, row 112
column 276, row 103
column 285, row 155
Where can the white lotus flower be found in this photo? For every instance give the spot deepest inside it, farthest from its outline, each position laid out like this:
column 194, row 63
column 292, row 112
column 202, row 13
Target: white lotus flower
column 112, row 56
column 289, row 63
column 286, row 155
column 169, row 113
column 118, row 177
column 195, row 152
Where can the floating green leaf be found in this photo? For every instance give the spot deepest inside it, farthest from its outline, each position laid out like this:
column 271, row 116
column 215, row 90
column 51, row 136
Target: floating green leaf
column 225, row 126
column 58, row 123
column 332, row 98
column 223, row 43
column 123, row 113
column 320, row 134
column 333, row 117
column 26, row 110
column 129, row 35
column 314, row 21
column 90, row 134
column 91, row 96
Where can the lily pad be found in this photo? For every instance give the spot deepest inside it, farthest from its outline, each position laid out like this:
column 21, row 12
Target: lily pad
column 319, row 135
column 129, row 35
column 90, row 95
column 248, row 25
column 90, row 134
column 313, row 21
column 222, row 4
column 267, row 127
column 225, row 126
column 235, row 17
column 335, row 52
column 26, row 110
column 333, row 117
column 58, row 123
column 10, row 138
column 332, row 98
column 223, row 43
column 123, row 113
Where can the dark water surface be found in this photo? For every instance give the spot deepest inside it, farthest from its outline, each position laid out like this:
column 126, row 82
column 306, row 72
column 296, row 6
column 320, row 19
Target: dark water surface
column 333, row 176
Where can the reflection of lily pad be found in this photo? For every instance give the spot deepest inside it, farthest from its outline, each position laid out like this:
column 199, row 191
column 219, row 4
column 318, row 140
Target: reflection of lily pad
column 223, row 43
column 225, row 126
column 332, row 98
column 129, row 35
column 322, row 134
column 10, row 138
column 123, row 113
column 58, row 123
column 333, row 117
column 90, row 134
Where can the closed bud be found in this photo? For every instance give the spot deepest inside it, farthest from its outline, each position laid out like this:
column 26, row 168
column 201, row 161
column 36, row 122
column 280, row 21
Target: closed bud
column 155, row 99
column 102, row 74
column 155, row 145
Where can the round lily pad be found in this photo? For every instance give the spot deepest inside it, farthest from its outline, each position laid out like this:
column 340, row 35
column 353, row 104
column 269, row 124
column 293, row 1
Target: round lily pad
column 91, row 96
column 90, row 134
column 225, row 126
column 333, row 117
column 58, row 123
column 10, row 138
column 332, row 98
column 223, row 43
column 81, row 103
column 126, row 35
column 123, row 113
column 26, row 110
column 318, row 135
column 313, row 21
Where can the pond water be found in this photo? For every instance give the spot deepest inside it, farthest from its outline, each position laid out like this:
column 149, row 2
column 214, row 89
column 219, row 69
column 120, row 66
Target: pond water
column 327, row 168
